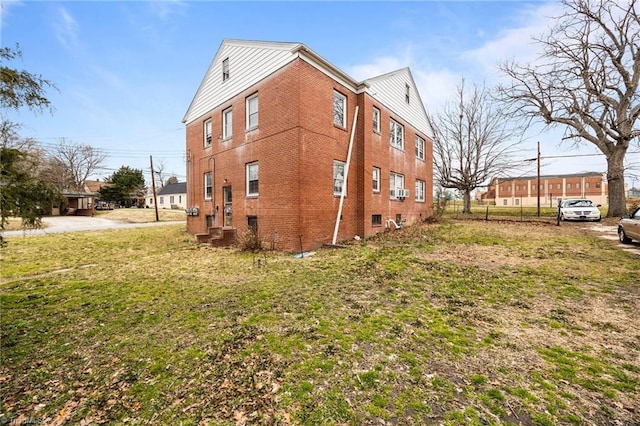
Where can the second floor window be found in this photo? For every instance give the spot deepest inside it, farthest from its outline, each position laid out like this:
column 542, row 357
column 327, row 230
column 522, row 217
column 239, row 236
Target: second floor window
column 419, row 148
column 396, row 134
column 207, row 132
column 252, row 112
column 339, row 109
column 227, row 123
column 252, row 179
column 376, row 120
column 208, row 186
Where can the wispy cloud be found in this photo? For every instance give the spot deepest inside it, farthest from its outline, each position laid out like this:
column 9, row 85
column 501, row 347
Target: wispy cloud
column 5, row 9
column 166, row 9
column 65, row 28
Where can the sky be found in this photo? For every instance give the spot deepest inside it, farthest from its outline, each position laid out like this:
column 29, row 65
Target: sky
column 126, row 71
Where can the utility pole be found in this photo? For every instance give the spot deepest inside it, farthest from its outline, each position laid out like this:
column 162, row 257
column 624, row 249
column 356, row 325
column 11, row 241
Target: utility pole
column 153, row 185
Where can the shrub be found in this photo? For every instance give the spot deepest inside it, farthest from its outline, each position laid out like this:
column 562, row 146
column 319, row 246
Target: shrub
column 249, row 240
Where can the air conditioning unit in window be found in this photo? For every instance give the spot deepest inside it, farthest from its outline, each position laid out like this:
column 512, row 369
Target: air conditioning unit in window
column 402, row 193
column 208, row 139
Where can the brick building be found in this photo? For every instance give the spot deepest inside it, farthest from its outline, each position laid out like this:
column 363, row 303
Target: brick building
column 268, row 135
column 523, row 190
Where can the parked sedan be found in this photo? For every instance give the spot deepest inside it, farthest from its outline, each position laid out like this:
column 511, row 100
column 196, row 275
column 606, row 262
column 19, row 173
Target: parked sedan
column 629, row 227
column 579, row 209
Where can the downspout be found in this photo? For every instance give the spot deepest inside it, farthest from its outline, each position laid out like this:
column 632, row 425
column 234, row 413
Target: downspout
column 346, row 174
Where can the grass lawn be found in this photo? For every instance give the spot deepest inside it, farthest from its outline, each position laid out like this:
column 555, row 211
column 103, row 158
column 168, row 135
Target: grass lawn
column 456, row 323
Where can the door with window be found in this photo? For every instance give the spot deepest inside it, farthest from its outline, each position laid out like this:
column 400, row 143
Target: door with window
column 227, row 202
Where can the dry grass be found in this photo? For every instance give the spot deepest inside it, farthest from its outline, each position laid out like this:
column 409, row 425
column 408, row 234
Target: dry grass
column 457, row 323
column 142, row 215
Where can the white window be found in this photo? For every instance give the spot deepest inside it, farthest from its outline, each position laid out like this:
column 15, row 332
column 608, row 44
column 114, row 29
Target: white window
column 171, row 199
column 208, row 186
column 420, row 185
column 396, row 184
column 179, row 199
column 376, row 179
column 225, row 69
column 252, row 112
column 252, row 179
column 407, row 92
column 396, row 134
column 419, row 148
column 338, row 177
column 376, row 120
column 227, row 124
column 207, row 132
column 161, row 200
column 339, row 109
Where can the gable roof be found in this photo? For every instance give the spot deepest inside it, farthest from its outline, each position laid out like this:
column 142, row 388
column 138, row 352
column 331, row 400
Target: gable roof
column 252, row 61
column 174, row 188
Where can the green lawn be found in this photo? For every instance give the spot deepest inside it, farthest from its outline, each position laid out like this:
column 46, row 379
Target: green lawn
column 457, row 323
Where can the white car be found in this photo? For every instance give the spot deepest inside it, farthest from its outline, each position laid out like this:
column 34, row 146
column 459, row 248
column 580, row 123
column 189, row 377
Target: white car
column 579, row 209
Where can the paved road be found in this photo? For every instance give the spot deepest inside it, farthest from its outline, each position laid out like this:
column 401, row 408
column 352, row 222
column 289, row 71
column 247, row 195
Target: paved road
column 58, row 224
column 609, row 232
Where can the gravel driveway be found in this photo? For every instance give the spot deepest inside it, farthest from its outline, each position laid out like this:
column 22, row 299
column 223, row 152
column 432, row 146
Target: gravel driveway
column 58, row 224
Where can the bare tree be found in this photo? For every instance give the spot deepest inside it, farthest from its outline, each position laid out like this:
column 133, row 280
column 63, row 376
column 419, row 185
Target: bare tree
column 587, row 80
column 80, row 160
column 473, row 142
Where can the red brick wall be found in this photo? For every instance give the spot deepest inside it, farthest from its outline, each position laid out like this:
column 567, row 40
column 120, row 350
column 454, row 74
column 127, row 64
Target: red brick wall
column 295, row 145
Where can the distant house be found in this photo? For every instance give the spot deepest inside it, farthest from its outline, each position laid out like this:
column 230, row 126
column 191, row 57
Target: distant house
column 523, row 191
column 171, row 196
column 281, row 141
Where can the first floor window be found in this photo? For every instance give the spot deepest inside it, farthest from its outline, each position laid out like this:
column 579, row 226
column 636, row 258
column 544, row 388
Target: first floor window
column 161, row 200
column 420, row 185
column 208, row 186
column 376, row 179
column 252, row 178
column 171, row 199
column 396, row 184
column 252, row 112
column 504, row 202
column 338, row 177
column 339, row 109
column 376, row 220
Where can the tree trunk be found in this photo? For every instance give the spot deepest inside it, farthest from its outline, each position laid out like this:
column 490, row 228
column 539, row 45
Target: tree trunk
column 466, row 202
column 615, row 179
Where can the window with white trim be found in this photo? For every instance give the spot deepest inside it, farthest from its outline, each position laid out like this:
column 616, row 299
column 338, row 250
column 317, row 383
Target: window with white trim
column 225, row 69
column 171, row 199
column 376, row 220
column 419, row 148
column 396, row 183
column 376, row 179
column 376, row 120
column 161, row 200
column 407, row 92
column 339, row 109
column 252, row 112
column 207, row 132
column 420, row 186
column 252, row 179
column 227, row 124
column 208, row 186
column 396, row 134
column 338, row 177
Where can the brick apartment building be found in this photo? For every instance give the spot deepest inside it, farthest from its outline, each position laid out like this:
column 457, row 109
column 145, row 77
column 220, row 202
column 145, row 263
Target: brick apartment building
column 523, row 190
column 268, row 135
